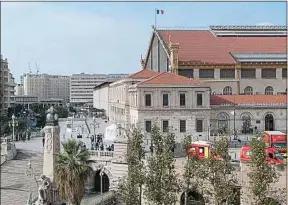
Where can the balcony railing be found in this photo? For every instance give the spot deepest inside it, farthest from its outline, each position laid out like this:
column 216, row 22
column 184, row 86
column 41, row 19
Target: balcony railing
column 101, row 154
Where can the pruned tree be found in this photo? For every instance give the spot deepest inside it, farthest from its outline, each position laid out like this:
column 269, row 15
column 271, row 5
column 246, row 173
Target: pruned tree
column 130, row 188
column 262, row 176
column 162, row 183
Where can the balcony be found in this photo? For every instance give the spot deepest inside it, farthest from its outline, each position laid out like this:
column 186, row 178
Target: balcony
column 101, row 155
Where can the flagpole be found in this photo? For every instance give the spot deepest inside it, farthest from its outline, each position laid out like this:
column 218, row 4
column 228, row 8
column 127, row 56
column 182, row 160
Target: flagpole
column 155, row 17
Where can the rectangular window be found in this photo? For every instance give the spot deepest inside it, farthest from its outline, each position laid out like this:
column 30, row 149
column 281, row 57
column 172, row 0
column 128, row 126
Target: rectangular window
column 248, row 73
column 199, row 99
column 165, row 125
column 182, row 99
column 227, row 73
column 186, row 72
column 268, row 73
column 284, row 72
column 199, row 125
column 182, row 125
column 206, row 73
column 165, row 99
column 147, row 100
column 148, row 126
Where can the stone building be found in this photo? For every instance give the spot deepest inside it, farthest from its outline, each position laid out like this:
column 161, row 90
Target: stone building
column 7, row 85
column 19, row 89
column 229, row 59
column 165, row 99
column 252, row 113
column 119, row 109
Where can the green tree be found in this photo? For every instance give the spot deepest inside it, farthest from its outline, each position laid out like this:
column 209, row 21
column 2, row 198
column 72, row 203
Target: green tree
column 130, row 188
column 192, row 176
column 218, row 182
column 262, row 176
column 72, row 170
column 221, row 174
column 161, row 185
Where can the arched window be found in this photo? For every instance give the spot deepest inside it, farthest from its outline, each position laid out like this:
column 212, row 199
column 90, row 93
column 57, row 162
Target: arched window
column 248, row 90
column 268, row 90
column 223, row 119
column 246, row 123
column 227, row 90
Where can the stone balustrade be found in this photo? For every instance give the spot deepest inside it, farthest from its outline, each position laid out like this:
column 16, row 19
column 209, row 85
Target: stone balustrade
column 101, row 155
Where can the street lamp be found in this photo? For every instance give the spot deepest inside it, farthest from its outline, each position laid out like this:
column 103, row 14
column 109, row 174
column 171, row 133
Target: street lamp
column 95, row 125
column 101, row 175
column 13, row 123
column 234, row 130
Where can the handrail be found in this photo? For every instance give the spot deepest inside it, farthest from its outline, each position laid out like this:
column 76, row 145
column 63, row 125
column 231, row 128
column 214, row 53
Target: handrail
column 98, row 153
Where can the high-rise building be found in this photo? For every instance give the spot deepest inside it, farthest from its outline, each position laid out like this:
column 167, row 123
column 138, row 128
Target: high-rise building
column 46, row 86
column 7, row 85
column 82, row 86
column 19, row 89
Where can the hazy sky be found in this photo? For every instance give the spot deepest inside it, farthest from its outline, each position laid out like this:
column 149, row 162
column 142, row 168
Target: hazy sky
column 67, row 38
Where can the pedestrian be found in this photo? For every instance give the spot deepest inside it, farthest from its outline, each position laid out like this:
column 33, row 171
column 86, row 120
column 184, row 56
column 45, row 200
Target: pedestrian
column 43, row 141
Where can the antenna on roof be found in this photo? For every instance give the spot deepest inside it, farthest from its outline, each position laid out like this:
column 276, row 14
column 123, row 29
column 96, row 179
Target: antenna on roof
column 29, row 65
column 37, row 68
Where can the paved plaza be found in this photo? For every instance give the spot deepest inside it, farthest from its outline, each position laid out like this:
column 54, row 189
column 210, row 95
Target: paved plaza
column 15, row 185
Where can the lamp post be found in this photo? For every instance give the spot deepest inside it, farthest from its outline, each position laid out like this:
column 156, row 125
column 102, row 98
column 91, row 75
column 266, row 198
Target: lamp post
column 12, row 124
column 101, row 183
column 234, row 124
column 95, row 125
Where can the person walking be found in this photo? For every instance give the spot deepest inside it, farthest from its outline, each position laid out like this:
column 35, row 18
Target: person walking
column 43, row 141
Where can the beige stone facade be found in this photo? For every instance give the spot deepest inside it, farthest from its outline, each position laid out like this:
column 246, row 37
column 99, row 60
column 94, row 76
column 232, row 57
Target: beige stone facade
column 7, row 85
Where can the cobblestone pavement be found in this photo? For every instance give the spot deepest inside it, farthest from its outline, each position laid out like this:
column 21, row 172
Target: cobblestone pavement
column 15, row 186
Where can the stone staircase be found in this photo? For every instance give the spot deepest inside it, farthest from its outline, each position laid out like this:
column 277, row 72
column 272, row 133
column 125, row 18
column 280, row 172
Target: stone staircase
column 15, row 185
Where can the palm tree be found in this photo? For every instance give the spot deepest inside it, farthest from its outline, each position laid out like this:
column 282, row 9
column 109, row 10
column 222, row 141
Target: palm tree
column 72, row 170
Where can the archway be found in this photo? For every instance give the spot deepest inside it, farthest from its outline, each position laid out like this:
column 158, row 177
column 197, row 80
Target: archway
column 193, row 198
column 246, row 123
column 269, row 122
column 105, row 182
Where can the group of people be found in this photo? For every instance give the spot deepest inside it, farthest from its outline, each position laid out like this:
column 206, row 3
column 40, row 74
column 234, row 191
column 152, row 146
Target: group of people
column 97, row 143
column 22, row 136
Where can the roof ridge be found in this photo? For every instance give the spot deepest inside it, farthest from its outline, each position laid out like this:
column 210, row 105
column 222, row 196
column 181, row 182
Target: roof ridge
column 151, row 78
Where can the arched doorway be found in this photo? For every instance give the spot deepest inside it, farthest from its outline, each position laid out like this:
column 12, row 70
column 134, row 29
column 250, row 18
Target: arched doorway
column 193, row 198
column 105, row 182
column 246, row 123
column 269, row 122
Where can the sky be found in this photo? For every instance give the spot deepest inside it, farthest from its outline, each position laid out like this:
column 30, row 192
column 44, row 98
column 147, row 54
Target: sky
column 74, row 37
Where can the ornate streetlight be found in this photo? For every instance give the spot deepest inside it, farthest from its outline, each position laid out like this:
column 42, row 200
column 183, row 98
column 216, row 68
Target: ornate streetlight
column 12, row 124
column 95, row 125
column 101, row 177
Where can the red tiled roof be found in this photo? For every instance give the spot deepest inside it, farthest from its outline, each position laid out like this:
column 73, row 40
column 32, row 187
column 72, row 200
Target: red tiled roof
column 143, row 74
column 248, row 99
column 166, row 78
column 203, row 47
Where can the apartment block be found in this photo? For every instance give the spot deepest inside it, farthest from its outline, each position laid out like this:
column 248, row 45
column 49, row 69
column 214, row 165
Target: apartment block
column 46, row 86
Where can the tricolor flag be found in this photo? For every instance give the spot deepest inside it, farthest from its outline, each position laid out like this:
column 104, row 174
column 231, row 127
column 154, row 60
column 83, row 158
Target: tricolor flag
column 159, row 11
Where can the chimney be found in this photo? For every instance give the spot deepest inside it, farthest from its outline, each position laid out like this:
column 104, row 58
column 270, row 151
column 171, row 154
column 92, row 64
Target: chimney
column 174, row 57
column 142, row 61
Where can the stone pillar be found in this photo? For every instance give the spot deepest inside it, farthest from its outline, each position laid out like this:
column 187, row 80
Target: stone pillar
column 52, row 143
column 174, row 49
